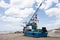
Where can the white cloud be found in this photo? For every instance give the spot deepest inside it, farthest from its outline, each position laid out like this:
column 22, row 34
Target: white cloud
column 54, row 25
column 47, row 3
column 39, row 1
column 3, row 4
column 58, row 5
column 0, row 15
column 43, row 6
column 55, row 1
column 15, row 10
column 15, row 5
column 22, row 3
column 10, row 27
column 10, row 23
column 54, row 12
column 10, row 19
column 18, row 12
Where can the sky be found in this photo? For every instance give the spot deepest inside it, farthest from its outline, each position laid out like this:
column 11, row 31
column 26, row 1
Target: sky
column 13, row 14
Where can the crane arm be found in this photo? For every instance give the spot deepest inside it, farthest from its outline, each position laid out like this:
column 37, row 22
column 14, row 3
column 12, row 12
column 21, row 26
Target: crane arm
column 35, row 12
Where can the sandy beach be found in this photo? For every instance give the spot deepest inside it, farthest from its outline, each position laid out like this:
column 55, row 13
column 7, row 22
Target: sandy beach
column 20, row 36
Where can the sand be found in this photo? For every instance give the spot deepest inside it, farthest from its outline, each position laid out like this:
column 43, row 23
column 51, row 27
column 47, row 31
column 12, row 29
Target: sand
column 19, row 36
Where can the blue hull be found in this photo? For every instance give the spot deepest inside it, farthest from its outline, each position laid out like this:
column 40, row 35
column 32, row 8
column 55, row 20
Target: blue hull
column 36, row 34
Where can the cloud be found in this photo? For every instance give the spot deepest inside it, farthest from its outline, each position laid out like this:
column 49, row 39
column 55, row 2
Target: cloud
column 48, row 3
column 10, row 23
column 39, row 1
column 10, row 27
column 58, row 5
column 22, row 3
column 3, row 4
column 55, row 1
column 0, row 15
column 43, row 6
column 54, row 25
column 54, row 12
column 19, row 9
column 16, row 5
column 18, row 12
column 10, row 19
